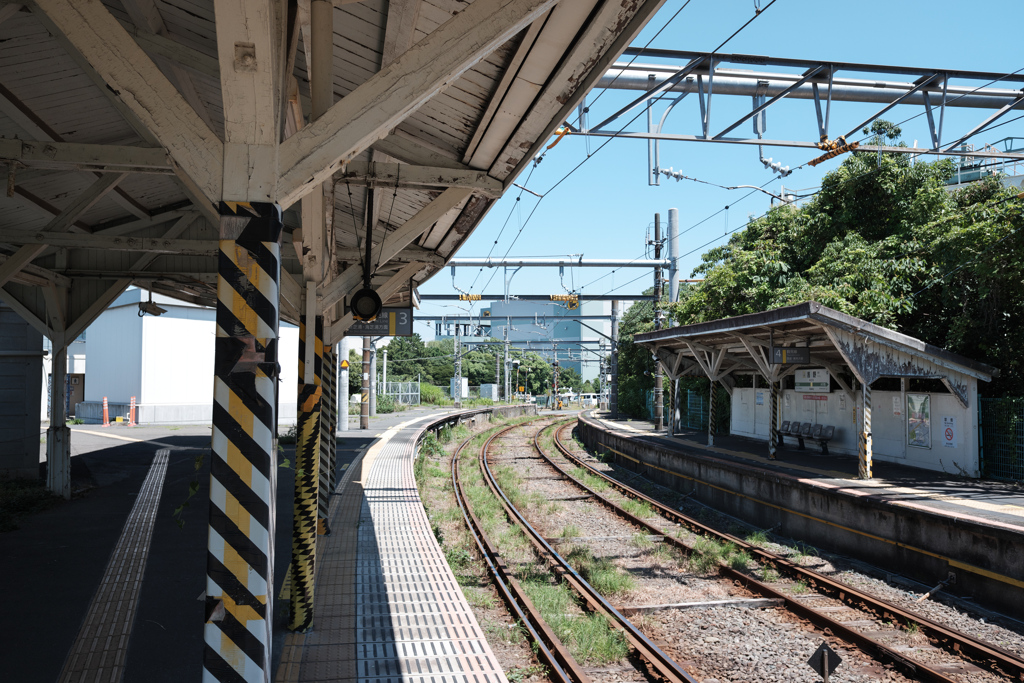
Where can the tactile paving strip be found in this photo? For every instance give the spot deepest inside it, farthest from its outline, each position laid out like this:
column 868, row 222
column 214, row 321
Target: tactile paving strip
column 388, row 608
column 101, row 648
column 413, row 623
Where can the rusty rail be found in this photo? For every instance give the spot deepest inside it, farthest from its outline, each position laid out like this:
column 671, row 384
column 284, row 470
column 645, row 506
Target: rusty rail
column 563, row 667
column 967, row 647
column 660, row 663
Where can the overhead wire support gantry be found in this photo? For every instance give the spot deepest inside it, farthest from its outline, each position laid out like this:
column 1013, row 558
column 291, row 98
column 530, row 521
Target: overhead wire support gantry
column 824, row 83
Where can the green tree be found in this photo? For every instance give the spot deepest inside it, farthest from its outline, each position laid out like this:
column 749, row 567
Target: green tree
column 569, row 378
column 884, row 240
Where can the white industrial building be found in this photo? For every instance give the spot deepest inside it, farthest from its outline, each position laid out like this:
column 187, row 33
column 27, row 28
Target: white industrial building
column 165, row 362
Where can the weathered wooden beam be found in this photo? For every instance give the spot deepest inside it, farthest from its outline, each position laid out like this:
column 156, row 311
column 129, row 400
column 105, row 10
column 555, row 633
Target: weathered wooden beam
column 72, row 156
column 164, row 45
column 407, row 175
column 33, row 125
column 396, row 241
column 9, row 10
column 158, row 245
column 25, row 312
column 31, row 274
column 135, row 81
column 400, row 29
column 61, row 223
column 46, row 206
column 410, row 253
column 250, row 45
column 412, row 152
column 93, row 311
column 366, row 115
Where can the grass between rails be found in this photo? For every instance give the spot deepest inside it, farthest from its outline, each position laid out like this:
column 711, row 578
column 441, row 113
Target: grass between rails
column 588, row 636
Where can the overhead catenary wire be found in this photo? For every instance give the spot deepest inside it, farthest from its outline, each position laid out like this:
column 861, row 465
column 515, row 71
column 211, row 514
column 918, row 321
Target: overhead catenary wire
column 604, row 144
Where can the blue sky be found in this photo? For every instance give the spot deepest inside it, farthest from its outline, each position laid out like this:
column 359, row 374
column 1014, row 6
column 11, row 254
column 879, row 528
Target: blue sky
column 606, row 208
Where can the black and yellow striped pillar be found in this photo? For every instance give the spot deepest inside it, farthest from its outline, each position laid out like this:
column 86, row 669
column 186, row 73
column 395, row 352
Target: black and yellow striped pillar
column 328, row 409
column 712, row 416
column 773, row 416
column 307, row 481
column 333, row 416
column 239, row 564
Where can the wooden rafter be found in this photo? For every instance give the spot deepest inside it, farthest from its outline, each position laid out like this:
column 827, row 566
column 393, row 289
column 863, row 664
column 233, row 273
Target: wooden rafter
column 141, row 88
column 311, row 155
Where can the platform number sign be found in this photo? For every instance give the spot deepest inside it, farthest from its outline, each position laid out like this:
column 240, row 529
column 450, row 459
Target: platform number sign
column 392, row 322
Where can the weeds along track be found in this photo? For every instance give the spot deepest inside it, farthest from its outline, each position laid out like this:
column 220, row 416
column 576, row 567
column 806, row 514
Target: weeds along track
column 901, row 640
column 580, row 636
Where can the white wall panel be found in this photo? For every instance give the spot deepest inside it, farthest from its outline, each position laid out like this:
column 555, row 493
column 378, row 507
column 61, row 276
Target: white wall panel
column 177, row 357
column 114, row 349
column 889, row 431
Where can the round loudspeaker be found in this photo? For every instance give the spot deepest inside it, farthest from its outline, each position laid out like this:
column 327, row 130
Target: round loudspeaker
column 366, row 305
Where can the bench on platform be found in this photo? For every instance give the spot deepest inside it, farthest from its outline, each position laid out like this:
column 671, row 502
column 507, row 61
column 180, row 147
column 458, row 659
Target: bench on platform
column 822, row 434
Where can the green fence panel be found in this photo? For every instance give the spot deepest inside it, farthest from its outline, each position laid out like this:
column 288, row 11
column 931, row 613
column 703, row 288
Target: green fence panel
column 1002, row 438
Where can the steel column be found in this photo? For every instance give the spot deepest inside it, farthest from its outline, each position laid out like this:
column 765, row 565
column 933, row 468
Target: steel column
column 673, row 255
column 243, row 471
column 613, row 389
column 364, row 397
column 773, row 426
column 305, row 522
column 659, row 401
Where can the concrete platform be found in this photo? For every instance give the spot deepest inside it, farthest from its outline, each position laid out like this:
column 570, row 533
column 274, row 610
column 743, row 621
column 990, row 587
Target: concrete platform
column 57, row 566
column 388, row 608
column 915, row 522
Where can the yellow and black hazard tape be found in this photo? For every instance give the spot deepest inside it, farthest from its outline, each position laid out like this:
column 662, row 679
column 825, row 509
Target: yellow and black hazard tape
column 328, row 409
column 307, row 480
column 239, row 573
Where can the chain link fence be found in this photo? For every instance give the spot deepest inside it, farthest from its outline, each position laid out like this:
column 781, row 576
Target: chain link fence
column 1002, row 438
column 406, row 393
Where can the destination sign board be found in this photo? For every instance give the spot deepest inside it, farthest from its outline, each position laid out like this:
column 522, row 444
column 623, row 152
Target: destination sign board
column 796, row 355
column 392, row 322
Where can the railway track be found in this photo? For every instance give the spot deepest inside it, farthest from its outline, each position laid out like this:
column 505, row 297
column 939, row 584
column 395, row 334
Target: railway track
column 988, row 661
column 554, row 654
column 968, row 648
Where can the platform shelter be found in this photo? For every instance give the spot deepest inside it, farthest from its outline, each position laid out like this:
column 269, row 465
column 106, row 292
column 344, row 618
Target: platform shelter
column 853, row 387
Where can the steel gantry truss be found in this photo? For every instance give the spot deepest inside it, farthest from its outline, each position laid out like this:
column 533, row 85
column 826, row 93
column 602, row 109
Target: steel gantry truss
column 824, row 83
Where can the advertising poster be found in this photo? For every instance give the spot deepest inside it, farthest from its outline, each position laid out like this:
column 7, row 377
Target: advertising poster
column 760, row 398
column 919, row 424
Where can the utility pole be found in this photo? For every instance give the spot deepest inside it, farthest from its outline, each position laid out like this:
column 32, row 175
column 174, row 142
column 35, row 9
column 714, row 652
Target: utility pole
column 364, row 403
column 506, row 385
column 554, row 367
column 343, row 383
column 613, row 390
column 457, row 389
column 659, row 405
column 373, row 378
column 497, row 372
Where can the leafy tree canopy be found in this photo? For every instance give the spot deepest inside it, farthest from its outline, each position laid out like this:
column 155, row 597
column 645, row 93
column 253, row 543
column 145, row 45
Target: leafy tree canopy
column 886, row 241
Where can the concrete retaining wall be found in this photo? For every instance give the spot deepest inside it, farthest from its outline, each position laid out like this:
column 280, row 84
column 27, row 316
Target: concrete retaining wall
column 988, row 558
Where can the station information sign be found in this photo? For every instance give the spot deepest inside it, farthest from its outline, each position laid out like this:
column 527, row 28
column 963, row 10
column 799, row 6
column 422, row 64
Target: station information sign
column 796, row 355
column 392, row 322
